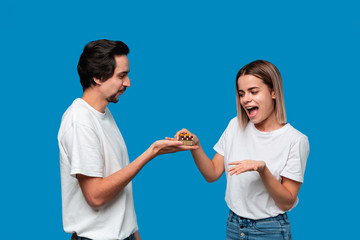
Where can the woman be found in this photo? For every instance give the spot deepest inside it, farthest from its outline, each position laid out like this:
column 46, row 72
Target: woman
column 263, row 156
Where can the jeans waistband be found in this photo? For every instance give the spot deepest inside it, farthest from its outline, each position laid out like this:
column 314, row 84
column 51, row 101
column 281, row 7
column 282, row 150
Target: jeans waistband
column 278, row 217
column 76, row 237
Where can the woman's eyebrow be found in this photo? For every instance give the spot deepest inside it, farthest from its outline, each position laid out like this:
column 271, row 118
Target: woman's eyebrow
column 249, row 89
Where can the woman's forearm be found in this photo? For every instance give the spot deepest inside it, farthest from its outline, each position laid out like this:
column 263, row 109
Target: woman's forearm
column 284, row 195
column 210, row 169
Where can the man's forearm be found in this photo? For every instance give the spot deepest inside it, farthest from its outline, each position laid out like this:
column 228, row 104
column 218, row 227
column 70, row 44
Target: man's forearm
column 98, row 191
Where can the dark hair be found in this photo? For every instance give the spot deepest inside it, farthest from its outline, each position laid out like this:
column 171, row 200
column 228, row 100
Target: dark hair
column 97, row 60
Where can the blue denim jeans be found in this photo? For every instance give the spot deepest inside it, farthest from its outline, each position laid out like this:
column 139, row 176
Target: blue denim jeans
column 273, row 228
column 131, row 237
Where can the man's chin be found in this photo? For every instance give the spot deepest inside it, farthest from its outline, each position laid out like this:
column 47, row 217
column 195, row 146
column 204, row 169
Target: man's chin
column 113, row 99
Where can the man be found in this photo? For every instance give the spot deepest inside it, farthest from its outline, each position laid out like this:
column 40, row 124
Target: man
column 95, row 170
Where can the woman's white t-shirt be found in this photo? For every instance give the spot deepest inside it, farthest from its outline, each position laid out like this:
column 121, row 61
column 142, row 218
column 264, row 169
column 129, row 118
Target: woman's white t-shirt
column 285, row 152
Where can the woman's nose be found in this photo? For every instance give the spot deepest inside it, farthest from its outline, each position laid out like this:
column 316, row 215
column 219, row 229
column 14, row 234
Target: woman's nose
column 247, row 98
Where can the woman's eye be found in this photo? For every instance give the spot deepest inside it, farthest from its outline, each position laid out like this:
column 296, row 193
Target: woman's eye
column 254, row 92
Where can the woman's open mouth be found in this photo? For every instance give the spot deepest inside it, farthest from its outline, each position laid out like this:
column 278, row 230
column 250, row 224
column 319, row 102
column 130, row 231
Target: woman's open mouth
column 252, row 111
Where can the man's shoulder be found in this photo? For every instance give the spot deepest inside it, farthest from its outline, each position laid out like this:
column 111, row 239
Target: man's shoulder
column 77, row 112
column 73, row 108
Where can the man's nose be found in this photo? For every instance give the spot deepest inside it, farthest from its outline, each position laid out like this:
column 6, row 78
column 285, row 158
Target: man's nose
column 127, row 82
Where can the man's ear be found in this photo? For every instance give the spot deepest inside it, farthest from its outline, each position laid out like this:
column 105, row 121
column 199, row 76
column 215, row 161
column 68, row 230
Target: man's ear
column 97, row 81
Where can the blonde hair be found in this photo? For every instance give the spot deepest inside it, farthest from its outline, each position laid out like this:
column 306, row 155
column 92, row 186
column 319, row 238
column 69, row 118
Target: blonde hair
column 271, row 76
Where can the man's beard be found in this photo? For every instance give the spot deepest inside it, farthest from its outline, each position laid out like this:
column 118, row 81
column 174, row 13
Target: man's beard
column 113, row 98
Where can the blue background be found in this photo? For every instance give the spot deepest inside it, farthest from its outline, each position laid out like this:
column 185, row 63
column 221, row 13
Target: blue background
column 184, row 56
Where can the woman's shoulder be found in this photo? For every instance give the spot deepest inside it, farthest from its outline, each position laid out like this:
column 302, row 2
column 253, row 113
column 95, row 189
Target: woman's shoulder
column 233, row 120
column 234, row 123
column 295, row 135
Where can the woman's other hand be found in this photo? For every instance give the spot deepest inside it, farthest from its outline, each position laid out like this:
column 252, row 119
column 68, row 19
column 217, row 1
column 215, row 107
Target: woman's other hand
column 246, row 166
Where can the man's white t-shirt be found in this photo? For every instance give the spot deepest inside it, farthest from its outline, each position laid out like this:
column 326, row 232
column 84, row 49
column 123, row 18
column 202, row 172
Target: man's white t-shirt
column 285, row 152
column 91, row 144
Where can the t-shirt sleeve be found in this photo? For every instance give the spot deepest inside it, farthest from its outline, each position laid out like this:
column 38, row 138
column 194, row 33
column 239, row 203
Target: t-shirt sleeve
column 296, row 163
column 83, row 148
column 220, row 146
